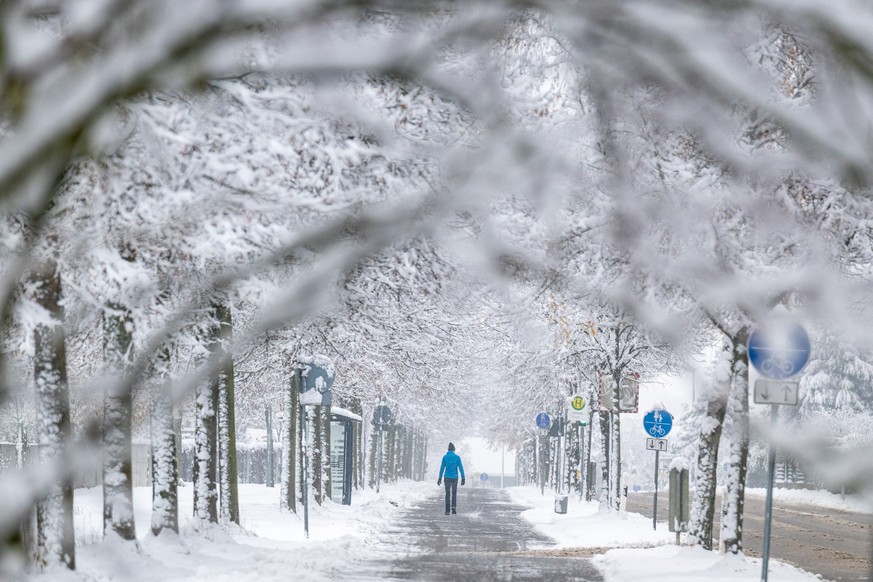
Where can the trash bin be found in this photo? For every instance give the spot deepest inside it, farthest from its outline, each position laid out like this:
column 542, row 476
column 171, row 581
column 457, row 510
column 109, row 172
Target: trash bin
column 561, row 503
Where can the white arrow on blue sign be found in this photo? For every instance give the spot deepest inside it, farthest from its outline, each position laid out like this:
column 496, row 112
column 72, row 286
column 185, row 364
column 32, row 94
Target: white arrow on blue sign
column 543, row 420
column 483, row 476
column 779, row 350
column 658, row 423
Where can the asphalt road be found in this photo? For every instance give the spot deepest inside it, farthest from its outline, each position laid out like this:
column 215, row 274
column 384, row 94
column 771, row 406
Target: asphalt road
column 834, row 544
column 486, row 541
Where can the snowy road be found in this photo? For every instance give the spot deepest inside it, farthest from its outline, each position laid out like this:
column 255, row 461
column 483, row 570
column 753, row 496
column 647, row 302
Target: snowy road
column 832, row 543
column 486, row 541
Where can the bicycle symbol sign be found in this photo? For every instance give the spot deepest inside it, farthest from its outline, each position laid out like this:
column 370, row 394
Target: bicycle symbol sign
column 658, row 423
column 780, row 350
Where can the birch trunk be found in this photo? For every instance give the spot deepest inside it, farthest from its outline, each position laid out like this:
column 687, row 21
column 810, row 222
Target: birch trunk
column 55, row 541
column 738, row 413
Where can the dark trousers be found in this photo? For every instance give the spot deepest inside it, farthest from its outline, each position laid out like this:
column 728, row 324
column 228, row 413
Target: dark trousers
column 451, row 493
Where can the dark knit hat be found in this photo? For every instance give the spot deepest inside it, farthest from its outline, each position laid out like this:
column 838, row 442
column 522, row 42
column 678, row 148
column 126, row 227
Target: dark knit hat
column 451, row 446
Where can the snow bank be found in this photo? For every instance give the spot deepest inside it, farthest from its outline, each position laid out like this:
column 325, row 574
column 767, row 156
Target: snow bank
column 672, row 563
column 643, row 554
column 584, row 526
column 852, row 503
column 269, row 545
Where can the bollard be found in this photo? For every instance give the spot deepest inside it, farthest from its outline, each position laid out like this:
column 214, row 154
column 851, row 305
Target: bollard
column 678, row 512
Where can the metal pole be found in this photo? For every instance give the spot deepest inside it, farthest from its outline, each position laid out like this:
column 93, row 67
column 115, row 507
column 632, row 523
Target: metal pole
column 655, row 509
column 768, row 507
column 305, row 473
column 582, row 471
column 269, row 476
column 542, row 466
column 379, row 469
column 502, row 464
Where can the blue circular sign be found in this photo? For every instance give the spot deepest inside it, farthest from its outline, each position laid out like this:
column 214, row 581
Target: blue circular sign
column 779, row 350
column 658, row 423
column 484, row 476
column 543, row 420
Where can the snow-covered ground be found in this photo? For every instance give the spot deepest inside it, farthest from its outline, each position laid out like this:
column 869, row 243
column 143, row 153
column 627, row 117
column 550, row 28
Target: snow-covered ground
column 853, row 503
column 644, row 554
column 270, row 545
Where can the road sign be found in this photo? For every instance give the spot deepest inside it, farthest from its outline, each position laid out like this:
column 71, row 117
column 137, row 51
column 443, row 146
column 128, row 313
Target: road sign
column 776, row 392
column 483, row 476
column 656, row 444
column 381, row 415
column 658, row 423
column 779, row 350
column 577, row 408
column 543, row 420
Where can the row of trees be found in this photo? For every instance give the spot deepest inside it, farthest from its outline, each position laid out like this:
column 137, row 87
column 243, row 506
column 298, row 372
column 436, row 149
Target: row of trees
column 528, row 198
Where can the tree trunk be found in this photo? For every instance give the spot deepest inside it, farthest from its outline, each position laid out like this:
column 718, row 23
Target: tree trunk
column 317, row 455
column 165, row 475
column 117, row 408
column 229, row 474
column 738, row 412
column 605, row 439
column 55, row 540
column 205, row 446
column 290, row 443
column 573, row 457
column 325, row 468
column 703, row 505
column 371, row 458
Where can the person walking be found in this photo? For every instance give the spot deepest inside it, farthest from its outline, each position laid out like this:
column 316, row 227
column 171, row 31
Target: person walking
column 449, row 468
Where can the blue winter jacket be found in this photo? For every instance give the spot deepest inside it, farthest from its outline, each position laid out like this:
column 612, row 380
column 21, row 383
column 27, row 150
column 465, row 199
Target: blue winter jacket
column 450, row 466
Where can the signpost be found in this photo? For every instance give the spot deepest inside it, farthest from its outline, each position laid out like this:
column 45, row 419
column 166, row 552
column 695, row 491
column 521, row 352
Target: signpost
column 381, row 420
column 543, row 422
column 578, row 411
column 658, row 423
column 483, row 477
column 776, row 392
column 315, row 377
column 778, row 351
column 656, row 445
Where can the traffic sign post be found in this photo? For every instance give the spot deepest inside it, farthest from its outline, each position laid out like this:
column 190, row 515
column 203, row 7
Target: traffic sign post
column 778, row 351
column 779, row 392
column 314, row 377
column 658, row 423
column 579, row 412
column 656, row 444
column 543, row 422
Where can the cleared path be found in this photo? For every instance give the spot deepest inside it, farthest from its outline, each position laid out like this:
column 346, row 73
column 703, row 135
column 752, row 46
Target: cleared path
column 486, row 541
column 834, row 544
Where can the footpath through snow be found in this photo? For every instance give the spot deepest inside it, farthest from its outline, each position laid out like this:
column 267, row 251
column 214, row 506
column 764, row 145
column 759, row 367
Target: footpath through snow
column 270, row 544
